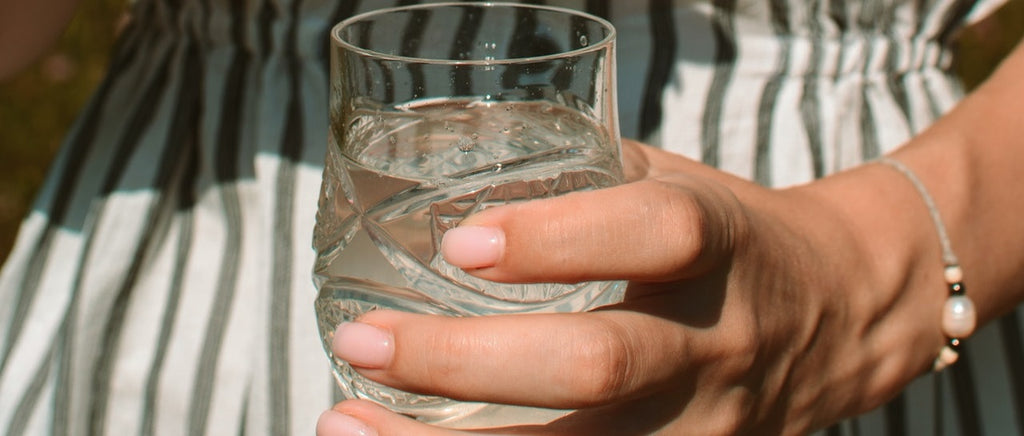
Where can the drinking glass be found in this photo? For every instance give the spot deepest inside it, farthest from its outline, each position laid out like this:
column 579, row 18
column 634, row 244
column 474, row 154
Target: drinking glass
column 438, row 111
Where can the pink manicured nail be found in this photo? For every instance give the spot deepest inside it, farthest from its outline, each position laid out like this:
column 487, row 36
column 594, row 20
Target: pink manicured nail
column 332, row 423
column 473, row 247
column 363, row 345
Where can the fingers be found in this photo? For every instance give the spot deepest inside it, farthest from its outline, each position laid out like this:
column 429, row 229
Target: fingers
column 362, row 418
column 650, row 230
column 636, row 164
column 334, row 423
column 648, row 416
column 561, row 361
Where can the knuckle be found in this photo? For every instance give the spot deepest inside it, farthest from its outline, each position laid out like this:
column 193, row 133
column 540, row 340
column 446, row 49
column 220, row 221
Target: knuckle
column 602, row 360
column 680, row 222
column 739, row 353
column 701, row 220
column 733, row 418
column 746, row 340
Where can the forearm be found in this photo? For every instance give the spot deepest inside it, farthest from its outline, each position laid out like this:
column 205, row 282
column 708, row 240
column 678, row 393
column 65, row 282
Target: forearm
column 972, row 163
column 875, row 239
column 28, row 28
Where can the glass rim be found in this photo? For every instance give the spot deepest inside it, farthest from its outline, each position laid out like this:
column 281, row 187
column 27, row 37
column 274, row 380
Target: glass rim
column 608, row 39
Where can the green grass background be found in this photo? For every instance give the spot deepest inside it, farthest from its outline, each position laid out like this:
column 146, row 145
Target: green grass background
column 37, row 107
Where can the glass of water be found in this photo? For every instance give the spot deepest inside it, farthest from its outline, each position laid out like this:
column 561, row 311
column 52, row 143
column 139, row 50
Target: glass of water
column 439, row 111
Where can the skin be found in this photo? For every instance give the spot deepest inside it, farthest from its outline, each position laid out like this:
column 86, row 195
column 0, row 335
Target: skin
column 28, row 29
column 749, row 310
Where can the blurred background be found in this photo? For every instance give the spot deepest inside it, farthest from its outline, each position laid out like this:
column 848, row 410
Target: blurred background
column 38, row 106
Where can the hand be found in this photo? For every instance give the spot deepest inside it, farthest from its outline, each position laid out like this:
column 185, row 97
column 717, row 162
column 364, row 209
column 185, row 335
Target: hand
column 749, row 310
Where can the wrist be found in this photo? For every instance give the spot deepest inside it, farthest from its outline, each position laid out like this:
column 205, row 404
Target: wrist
column 880, row 248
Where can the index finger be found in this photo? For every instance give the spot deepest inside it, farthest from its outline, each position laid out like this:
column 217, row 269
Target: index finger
column 660, row 230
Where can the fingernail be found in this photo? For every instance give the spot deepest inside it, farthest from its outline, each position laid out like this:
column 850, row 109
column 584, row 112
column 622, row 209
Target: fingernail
column 332, row 423
column 363, row 345
column 473, row 246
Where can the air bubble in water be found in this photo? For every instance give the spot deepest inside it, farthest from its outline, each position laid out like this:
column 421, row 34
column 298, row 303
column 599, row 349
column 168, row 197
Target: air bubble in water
column 465, row 144
column 584, row 41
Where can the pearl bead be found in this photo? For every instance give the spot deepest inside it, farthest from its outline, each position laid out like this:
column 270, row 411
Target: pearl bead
column 946, row 357
column 959, row 317
column 953, row 274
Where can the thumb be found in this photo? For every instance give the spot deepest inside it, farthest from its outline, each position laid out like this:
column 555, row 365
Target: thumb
column 652, row 230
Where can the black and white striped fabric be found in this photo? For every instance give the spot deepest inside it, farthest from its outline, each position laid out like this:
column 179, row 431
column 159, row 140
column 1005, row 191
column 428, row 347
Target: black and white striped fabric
column 161, row 284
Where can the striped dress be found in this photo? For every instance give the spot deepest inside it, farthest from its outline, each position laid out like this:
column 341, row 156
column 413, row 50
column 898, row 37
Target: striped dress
column 161, row 284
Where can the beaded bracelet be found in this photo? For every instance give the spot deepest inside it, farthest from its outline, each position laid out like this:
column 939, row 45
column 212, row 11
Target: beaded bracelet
column 958, row 315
